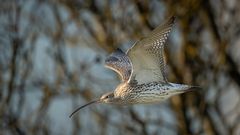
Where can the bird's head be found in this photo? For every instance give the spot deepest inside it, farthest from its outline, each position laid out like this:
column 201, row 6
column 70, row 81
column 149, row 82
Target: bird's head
column 106, row 98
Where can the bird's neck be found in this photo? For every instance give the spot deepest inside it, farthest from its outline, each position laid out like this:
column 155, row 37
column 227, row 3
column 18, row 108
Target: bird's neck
column 120, row 89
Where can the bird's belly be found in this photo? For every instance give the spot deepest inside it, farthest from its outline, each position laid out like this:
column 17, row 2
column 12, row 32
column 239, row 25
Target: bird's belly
column 146, row 100
column 144, row 93
column 151, row 97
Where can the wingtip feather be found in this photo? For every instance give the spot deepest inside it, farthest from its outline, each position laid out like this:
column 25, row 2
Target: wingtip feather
column 172, row 20
column 119, row 50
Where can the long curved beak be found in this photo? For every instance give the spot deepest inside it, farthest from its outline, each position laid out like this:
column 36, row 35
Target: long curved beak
column 81, row 107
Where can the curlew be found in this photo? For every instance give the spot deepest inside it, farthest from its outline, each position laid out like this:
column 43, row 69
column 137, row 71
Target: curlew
column 142, row 71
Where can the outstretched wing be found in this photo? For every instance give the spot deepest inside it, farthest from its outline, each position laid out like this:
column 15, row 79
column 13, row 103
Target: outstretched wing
column 147, row 56
column 120, row 63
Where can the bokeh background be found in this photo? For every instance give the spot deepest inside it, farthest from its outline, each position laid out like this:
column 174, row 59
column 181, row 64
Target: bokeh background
column 52, row 60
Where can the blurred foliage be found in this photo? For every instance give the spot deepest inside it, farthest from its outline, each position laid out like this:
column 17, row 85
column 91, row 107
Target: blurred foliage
column 52, row 56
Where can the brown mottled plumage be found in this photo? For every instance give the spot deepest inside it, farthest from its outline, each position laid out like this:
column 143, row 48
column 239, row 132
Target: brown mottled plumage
column 142, row 70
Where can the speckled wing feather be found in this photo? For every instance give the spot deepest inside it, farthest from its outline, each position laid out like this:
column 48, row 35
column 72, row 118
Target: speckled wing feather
column 120, row 63
column 147, row 56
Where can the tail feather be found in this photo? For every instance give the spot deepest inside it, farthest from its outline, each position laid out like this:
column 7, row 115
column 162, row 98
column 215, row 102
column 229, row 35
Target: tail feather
column 182, row 88
column 194, row 88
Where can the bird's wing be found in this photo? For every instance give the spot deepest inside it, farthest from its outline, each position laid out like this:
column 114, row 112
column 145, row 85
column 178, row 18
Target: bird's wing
column 147, row 58
column 120, row 63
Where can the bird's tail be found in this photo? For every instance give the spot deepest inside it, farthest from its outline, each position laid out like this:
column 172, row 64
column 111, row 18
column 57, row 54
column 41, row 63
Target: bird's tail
column 182, row 88
column 194, row 88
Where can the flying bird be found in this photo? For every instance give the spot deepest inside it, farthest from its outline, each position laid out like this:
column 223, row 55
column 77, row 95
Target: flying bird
column 142, row 71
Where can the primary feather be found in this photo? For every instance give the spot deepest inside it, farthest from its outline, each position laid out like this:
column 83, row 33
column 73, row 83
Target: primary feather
column 119, row 62
column 147, row 57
